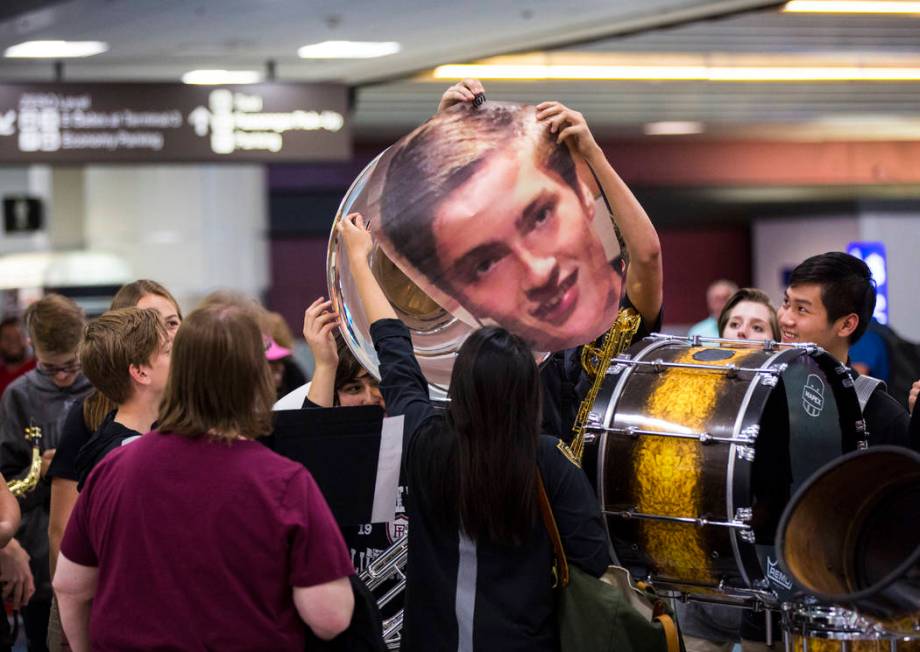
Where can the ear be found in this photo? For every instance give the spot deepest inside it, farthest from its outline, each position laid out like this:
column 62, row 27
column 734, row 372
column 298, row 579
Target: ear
column 846, row 325
column 140, row 374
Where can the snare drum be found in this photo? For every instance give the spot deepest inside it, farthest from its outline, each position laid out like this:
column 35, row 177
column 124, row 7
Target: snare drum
column 694, row 449
column 831, row 629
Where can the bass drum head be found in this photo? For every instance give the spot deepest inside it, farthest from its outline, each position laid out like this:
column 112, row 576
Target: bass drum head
column 698, row 450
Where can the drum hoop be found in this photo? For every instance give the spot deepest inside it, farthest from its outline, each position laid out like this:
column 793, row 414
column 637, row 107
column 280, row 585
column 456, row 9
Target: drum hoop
column 650, row 345
column 730, row 477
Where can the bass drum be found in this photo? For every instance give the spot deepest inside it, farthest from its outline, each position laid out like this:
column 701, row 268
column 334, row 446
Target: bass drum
column 817, row 628
column 696, row 450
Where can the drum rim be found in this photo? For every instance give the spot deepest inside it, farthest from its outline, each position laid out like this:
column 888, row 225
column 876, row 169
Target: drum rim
column 875, row 589
column 761, row 392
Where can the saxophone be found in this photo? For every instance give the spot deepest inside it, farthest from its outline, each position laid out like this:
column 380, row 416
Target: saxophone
column 595, row 360
column 20, row 488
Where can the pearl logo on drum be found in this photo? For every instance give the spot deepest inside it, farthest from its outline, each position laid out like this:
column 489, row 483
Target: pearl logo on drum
column 813, row 396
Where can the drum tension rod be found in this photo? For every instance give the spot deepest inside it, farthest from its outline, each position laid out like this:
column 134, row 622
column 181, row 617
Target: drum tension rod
column 660, row 365
column 698, row 521
column 745, row 438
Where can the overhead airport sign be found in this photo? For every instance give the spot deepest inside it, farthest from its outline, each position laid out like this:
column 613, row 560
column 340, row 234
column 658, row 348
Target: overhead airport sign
column 153, row 123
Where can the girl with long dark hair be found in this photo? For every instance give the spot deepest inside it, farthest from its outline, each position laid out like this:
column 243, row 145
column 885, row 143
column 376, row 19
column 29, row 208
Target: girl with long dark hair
column 479, row 567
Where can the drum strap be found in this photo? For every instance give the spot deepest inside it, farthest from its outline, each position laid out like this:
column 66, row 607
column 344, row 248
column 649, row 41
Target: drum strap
column 865, row 386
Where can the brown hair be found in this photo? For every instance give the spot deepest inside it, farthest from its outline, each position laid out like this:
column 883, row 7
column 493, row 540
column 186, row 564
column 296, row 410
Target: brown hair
column 97, row 406
column 219, row 382
column 280, row 331
column 55, row 324
column 114, row 342
column 244, row 302
column 348, row 368
column 756, row 296
column 130, row 294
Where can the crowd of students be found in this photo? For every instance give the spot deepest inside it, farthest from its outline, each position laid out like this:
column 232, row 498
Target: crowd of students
column 159, row 522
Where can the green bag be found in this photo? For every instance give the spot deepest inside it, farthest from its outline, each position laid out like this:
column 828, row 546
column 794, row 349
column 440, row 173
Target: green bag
column 599, row 614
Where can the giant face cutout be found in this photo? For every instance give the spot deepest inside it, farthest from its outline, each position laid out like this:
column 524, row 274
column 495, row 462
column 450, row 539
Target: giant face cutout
column 498, row 224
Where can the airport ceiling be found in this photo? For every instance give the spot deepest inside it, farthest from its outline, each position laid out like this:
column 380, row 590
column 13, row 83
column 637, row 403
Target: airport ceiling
column 161, row 39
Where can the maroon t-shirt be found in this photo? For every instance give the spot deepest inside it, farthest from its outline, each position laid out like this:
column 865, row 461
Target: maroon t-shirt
column 199, row 543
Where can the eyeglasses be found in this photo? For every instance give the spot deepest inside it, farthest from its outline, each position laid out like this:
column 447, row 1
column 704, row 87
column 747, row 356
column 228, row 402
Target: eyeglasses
column 53, row 369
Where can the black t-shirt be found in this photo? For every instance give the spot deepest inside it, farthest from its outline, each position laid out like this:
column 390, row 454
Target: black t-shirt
column 565, row 382
column 887, row 421
column 367, row 541
column 110, row 436
column 74, row 434
column 486, row 595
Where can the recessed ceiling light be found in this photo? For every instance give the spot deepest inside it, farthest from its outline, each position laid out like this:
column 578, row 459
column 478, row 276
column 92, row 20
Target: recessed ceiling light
column 55, row 49
column 853, row 6
column 214, row 77
column 672, row 128
column 348, row 50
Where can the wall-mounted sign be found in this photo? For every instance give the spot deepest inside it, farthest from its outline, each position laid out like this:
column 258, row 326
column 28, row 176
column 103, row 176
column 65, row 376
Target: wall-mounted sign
column 149, row 123
column 873, row 254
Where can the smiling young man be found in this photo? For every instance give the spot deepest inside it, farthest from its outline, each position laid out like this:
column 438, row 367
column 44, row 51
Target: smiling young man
column 41, row 397
column 829, row 301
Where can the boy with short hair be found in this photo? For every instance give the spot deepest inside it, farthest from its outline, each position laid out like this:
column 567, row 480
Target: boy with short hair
column 125, row 354
column 829, row 301
column 41, row 397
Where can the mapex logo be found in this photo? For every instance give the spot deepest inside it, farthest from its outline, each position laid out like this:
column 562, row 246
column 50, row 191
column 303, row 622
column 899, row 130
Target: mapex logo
column 813, row 395
column 778, row 577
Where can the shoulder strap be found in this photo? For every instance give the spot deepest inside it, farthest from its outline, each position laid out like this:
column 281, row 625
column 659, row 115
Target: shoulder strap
column 561, row 566
column 865, row 386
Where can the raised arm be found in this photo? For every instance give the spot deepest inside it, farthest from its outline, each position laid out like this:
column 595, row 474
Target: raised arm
column 318, row 323
column 404, row 387
column 358, row 245
column 644, row 277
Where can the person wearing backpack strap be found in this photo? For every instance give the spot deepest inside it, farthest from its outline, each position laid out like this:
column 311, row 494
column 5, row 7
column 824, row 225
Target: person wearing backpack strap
column 829, row 301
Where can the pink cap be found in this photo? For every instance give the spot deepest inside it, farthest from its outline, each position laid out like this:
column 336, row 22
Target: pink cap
column 276, row 352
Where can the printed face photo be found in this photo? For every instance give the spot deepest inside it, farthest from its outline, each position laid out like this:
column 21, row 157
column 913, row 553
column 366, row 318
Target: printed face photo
column 486, row 214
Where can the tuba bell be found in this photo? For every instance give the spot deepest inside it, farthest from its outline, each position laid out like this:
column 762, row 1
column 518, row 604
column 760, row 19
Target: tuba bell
column 851, row 536
column 437, row 334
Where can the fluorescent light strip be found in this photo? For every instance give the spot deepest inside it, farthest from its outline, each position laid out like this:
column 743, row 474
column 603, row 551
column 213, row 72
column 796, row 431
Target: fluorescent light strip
column 672, row 128
column 852, row 7
column 55, row 49
column 348, row 50
column 679, row 73
column 217, row 77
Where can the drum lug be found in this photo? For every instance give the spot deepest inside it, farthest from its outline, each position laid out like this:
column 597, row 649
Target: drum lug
column 744, row 514
column 745, row 453
column 750, row 433
column 747, row 535
column 768, row 378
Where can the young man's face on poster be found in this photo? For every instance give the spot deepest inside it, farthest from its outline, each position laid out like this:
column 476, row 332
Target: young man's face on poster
column 518, row 245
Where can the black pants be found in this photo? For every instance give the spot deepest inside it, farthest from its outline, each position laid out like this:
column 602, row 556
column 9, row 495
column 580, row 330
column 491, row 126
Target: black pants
column 35, row 619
